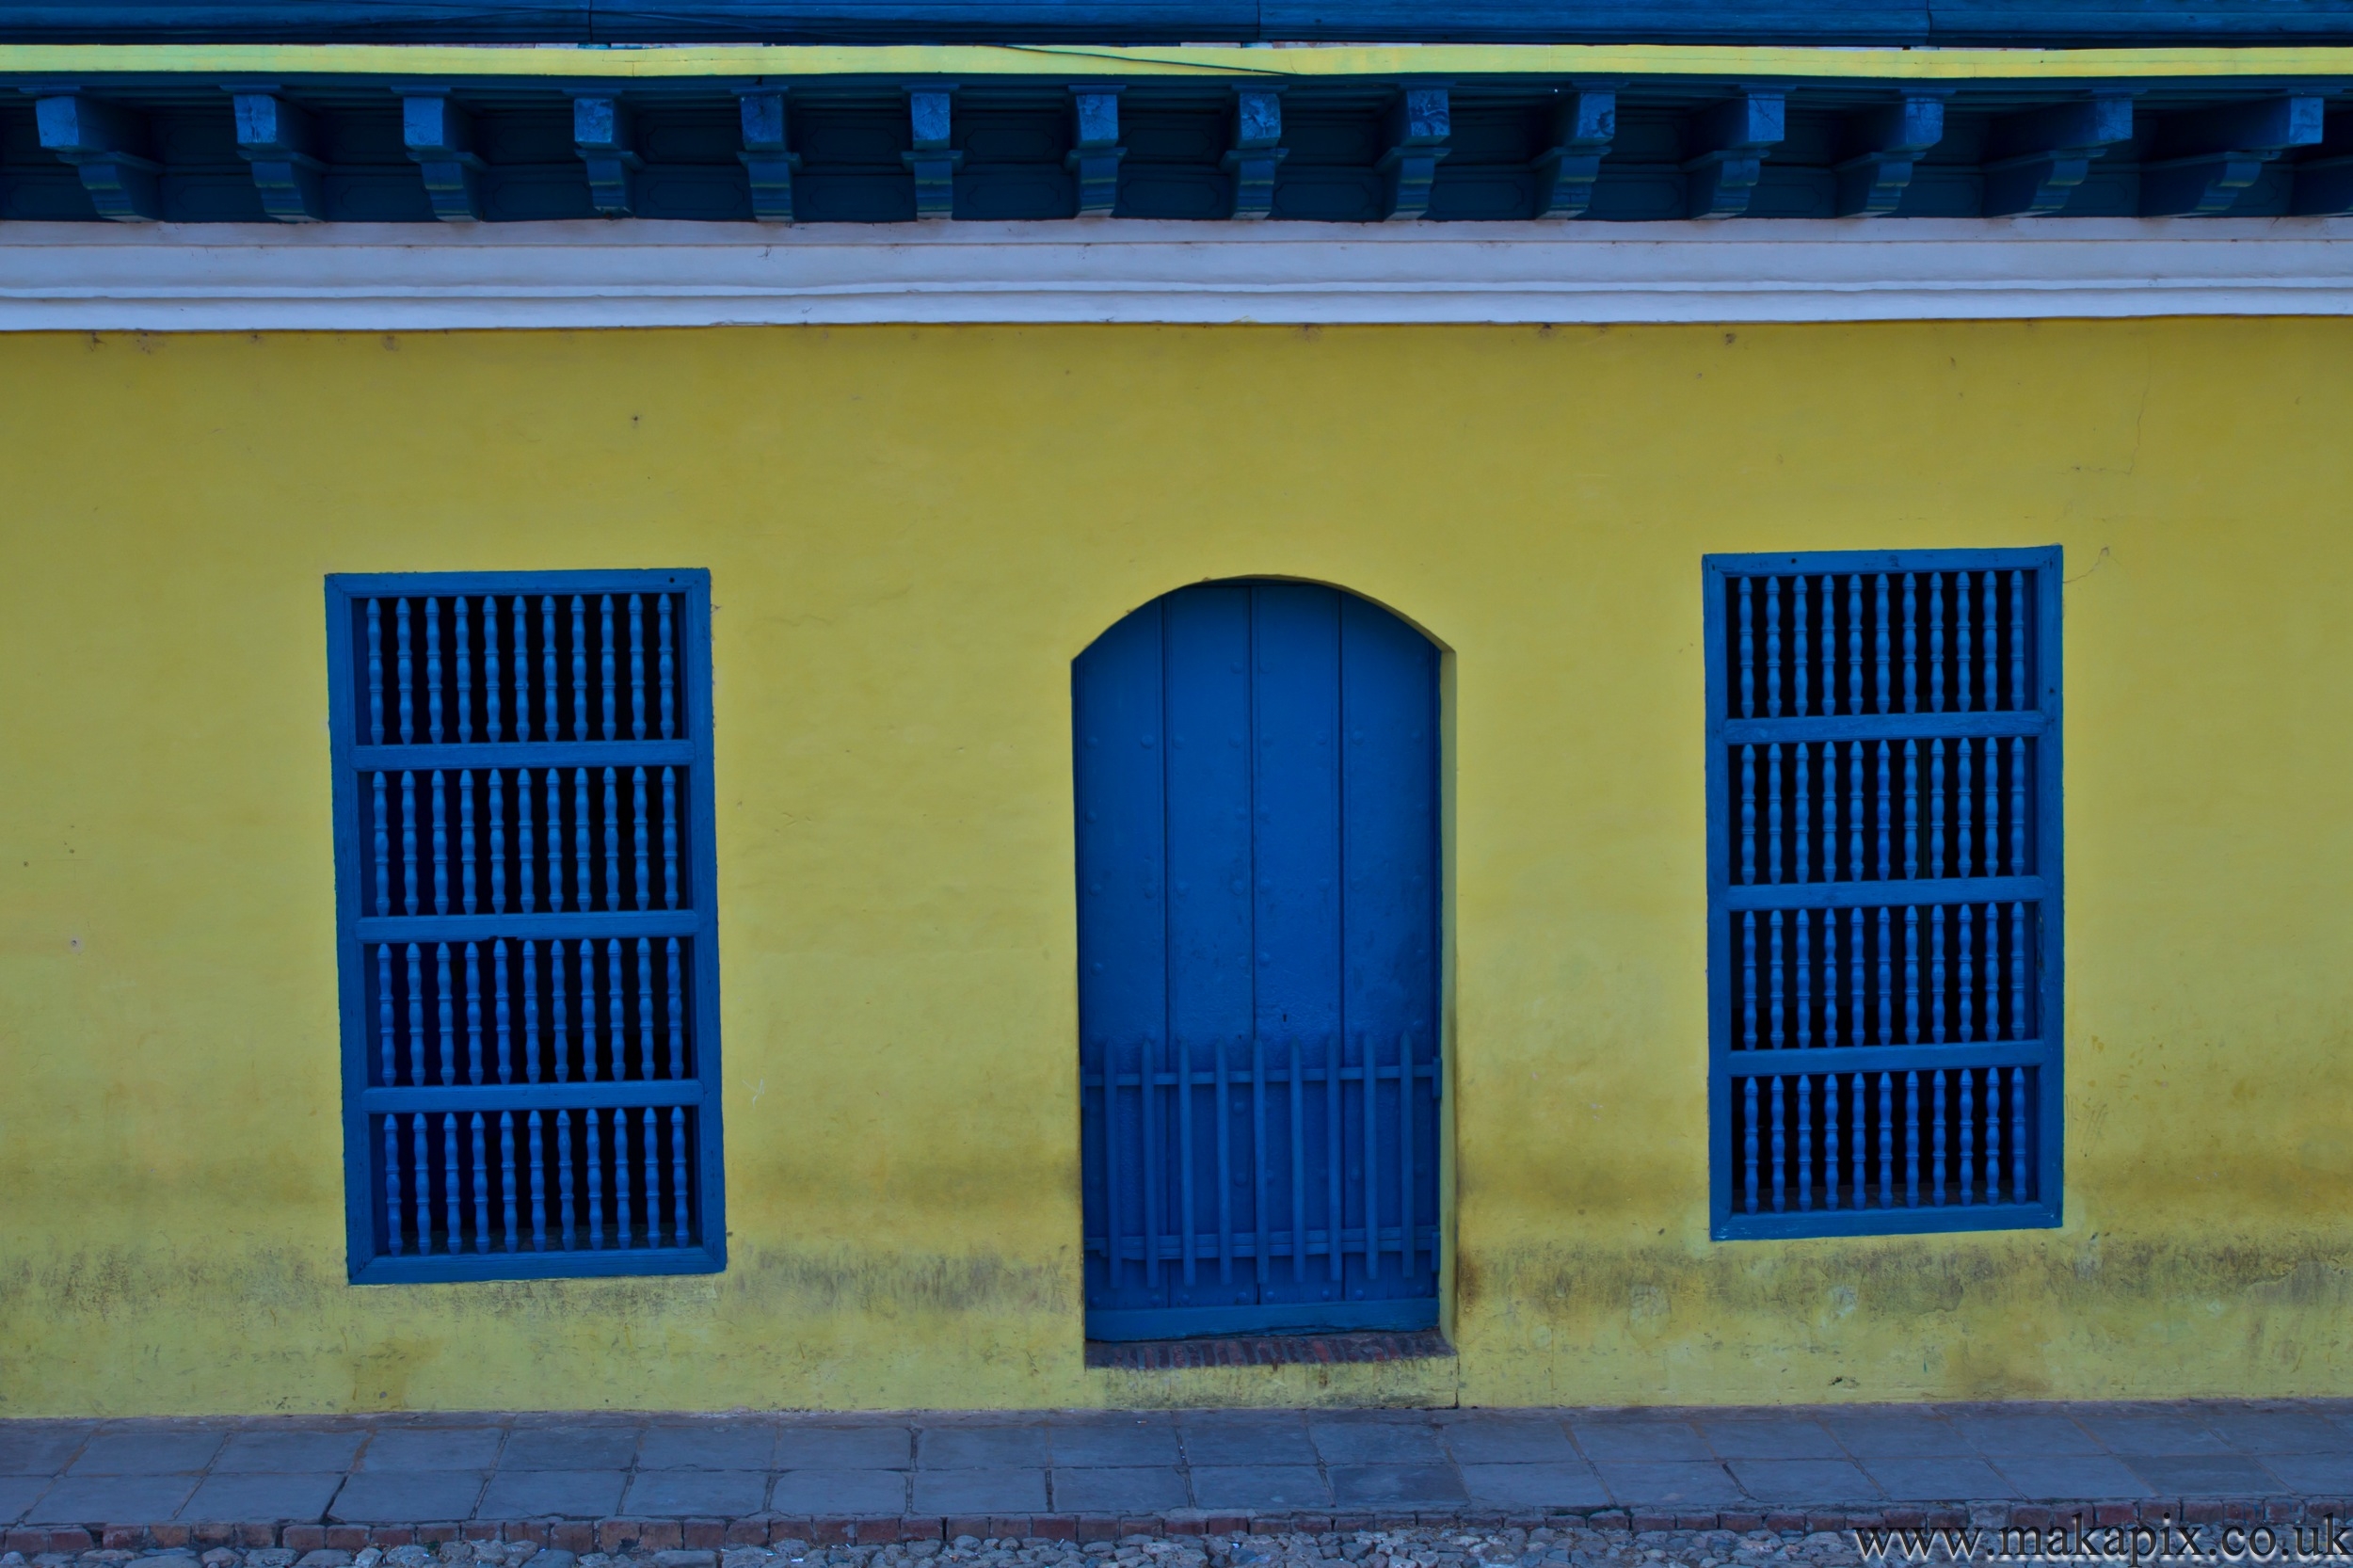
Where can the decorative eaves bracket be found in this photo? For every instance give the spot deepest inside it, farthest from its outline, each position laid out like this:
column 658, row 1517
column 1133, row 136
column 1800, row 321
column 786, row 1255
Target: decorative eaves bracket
column 1416, row 130
column 2035, row 160
column 439, row 135
column 279, row 141
column 2324, row 179
column 2200, row 162
column 1582, row 130
column 604, row 136
column 1094, row 151
column 1258, row 150
column 1888, row 142
column 932, row 163
column 768, row 156
column 108, row 146
column 1728, row 148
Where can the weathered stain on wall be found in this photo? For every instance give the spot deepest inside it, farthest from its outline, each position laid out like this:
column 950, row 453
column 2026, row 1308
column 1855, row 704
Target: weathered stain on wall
column 910, row 533
column 2008, row 1325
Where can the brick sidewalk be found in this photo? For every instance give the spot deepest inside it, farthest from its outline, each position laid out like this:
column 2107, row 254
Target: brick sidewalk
column 671, row 1480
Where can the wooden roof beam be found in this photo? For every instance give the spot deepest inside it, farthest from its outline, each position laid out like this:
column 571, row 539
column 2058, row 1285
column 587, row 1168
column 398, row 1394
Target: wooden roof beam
column 2201, row 161
column 438, row 138
column 768, row 157
column 1872, row 181
column 604, row 133
column 1257, row 151
column 279, row 140
column 2324, row 178
column 2038, row 158
column 109, row 148
column 1727, row 150
column 933, row 162
column 1416, row 130
column 1095, row 152
column 1582, row 129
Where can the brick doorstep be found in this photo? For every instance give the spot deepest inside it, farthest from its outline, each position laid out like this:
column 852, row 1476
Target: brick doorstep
column 762, row 1529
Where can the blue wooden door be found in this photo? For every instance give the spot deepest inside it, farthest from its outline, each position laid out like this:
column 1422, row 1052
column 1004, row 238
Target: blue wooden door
column 1258, row 855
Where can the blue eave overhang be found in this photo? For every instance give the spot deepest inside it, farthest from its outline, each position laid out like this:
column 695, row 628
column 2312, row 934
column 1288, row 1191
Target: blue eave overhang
column 222, row 132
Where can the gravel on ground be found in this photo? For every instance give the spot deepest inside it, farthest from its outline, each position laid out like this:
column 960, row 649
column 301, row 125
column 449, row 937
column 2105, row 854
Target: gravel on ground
column 1391, row 1548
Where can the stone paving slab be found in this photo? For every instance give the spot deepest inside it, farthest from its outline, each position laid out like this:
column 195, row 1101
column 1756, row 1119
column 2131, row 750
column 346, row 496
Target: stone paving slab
column 753, row 1474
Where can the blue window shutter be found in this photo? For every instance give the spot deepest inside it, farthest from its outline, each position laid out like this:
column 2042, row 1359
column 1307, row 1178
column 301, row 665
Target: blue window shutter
column 526, row 923
column 1885, row 891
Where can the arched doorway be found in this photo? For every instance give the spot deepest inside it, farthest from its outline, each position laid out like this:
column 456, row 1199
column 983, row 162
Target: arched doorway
column 1257, row 854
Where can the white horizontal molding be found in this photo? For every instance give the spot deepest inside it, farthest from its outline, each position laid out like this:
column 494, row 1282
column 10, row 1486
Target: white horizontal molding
column 383, row 278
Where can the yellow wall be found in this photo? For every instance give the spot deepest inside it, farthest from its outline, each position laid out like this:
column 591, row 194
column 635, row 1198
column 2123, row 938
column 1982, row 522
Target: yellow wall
column 910, row 533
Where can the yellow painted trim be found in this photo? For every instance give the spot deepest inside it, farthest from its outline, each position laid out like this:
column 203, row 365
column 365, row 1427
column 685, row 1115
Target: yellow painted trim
column 1333, row 60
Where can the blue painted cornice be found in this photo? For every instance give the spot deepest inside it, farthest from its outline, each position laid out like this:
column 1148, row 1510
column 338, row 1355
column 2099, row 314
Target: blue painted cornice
column 2075, row 23
column 897, row 133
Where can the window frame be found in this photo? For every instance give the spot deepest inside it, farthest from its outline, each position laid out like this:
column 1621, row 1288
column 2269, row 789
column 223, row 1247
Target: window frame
column 365, row 1265
column 1728, row 1223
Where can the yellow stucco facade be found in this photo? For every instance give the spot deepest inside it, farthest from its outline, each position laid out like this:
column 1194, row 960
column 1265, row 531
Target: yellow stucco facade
column 910, row 533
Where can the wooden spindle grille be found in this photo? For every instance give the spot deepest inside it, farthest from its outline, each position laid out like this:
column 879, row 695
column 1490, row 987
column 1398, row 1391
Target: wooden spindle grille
column 525, row 917
column 1335, row 1125
column 1885, row 891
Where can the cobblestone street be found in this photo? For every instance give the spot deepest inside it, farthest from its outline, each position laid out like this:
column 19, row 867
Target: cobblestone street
column 1542, row 1547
